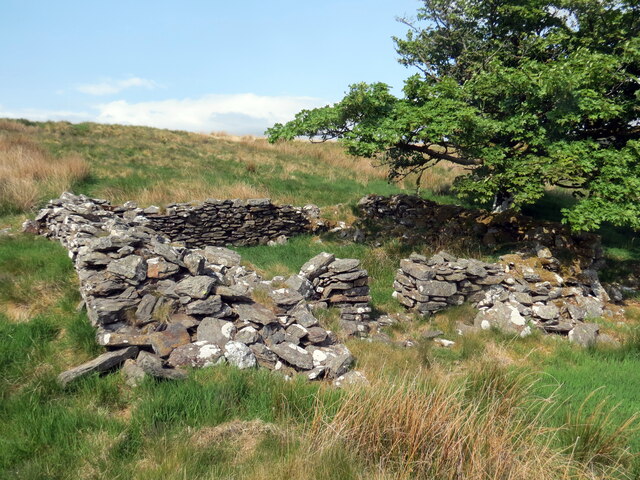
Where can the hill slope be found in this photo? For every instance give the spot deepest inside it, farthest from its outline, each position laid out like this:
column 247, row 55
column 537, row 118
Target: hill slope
column 491, row 406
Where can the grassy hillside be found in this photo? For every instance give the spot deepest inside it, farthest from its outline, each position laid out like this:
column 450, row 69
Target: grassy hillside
column 492, row 406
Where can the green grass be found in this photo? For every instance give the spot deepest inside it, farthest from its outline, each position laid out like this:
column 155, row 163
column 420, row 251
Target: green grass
column 581, row 380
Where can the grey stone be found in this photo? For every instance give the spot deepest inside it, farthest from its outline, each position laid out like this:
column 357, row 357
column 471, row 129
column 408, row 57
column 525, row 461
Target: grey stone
column 216, row 331
column 293, row 355
column 428, row 307
column 285, row 297
column 165, row 341
column 592, row 307
column 133, row 374
column 431, row 334
column 169, row 253
column 212, row 307
column 339, row 365
column 316, row 335
column 239, row 355
column 436, row 288
column 303, row 316
column 103, row 363
column 122, row 337
column 234, row 293
column 109, row 310
column 264, row 356
column 100, row 283
column 503, row 316
column 92, row 260
column 132, row 268
column 342, row 265
column 167, row 288
column 417, row 270
column 523, row 298
column 152, row 365
column 195, row 287
column 351, row 379
column 316, row 373
column 584, row 334
column 145, row 309
column 295, row 333
column 317, row 265
column 272, row 334
column 546, row 312
column 561, row 327
column 194, row 263
column 198, row 355
column 255, row 313
column 247, row 335
column 187, row 321
column 158, row 267
column 300, row 284
column 222, row 256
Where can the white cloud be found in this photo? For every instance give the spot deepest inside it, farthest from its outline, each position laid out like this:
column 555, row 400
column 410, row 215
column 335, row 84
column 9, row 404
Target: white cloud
column 239, row 113
column 39, row 115
column 110, row 87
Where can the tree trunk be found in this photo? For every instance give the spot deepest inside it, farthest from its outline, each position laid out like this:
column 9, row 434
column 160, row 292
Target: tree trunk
column 502, row 201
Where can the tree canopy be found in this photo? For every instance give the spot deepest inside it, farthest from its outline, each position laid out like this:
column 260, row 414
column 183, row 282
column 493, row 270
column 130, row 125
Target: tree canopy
column 525, row 93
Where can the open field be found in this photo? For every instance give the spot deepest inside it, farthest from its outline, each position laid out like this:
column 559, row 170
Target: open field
column 492, row 406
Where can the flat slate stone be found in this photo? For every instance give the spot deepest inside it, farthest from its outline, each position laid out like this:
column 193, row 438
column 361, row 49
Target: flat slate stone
column 342, row 265
column 293, row 355
column 197, row 287
column 197, row 354
column 417, row 270
column 152, row 365
column 255, row 313
column 436, row 288
column 158, row 267
column 131, row 267
column 103, row 363
column 222, row 256
column 317, row 265
column 216, row 331
column 212, row 306
column 165, row 341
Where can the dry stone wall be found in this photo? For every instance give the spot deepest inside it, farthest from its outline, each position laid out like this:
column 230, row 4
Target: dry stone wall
column 512, row 296
column 343, row 284
column 211, row 223
column 417, row 220
column 158, row 305
column 231, row 222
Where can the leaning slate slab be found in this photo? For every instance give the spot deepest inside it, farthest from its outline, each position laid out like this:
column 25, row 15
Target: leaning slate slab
column 103, row 363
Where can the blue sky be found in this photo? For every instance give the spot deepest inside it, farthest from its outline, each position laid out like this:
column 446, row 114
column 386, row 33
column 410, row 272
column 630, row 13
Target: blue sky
column 194, row 65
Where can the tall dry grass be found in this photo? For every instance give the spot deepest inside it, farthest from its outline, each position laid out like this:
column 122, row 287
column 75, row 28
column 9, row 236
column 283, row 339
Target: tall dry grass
column 330, row 154
column 490, row 429
column 28, row 174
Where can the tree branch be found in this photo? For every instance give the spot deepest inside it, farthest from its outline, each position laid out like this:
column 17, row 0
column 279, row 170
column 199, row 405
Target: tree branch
column 432, row 152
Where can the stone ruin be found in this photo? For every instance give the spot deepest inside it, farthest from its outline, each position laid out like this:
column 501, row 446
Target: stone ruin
column 340, row 283
column 164, row 293
column 513, row 296
column 420, row 221
column 159, row 305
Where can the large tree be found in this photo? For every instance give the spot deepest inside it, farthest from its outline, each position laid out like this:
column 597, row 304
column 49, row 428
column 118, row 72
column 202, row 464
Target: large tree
column 525, row 93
